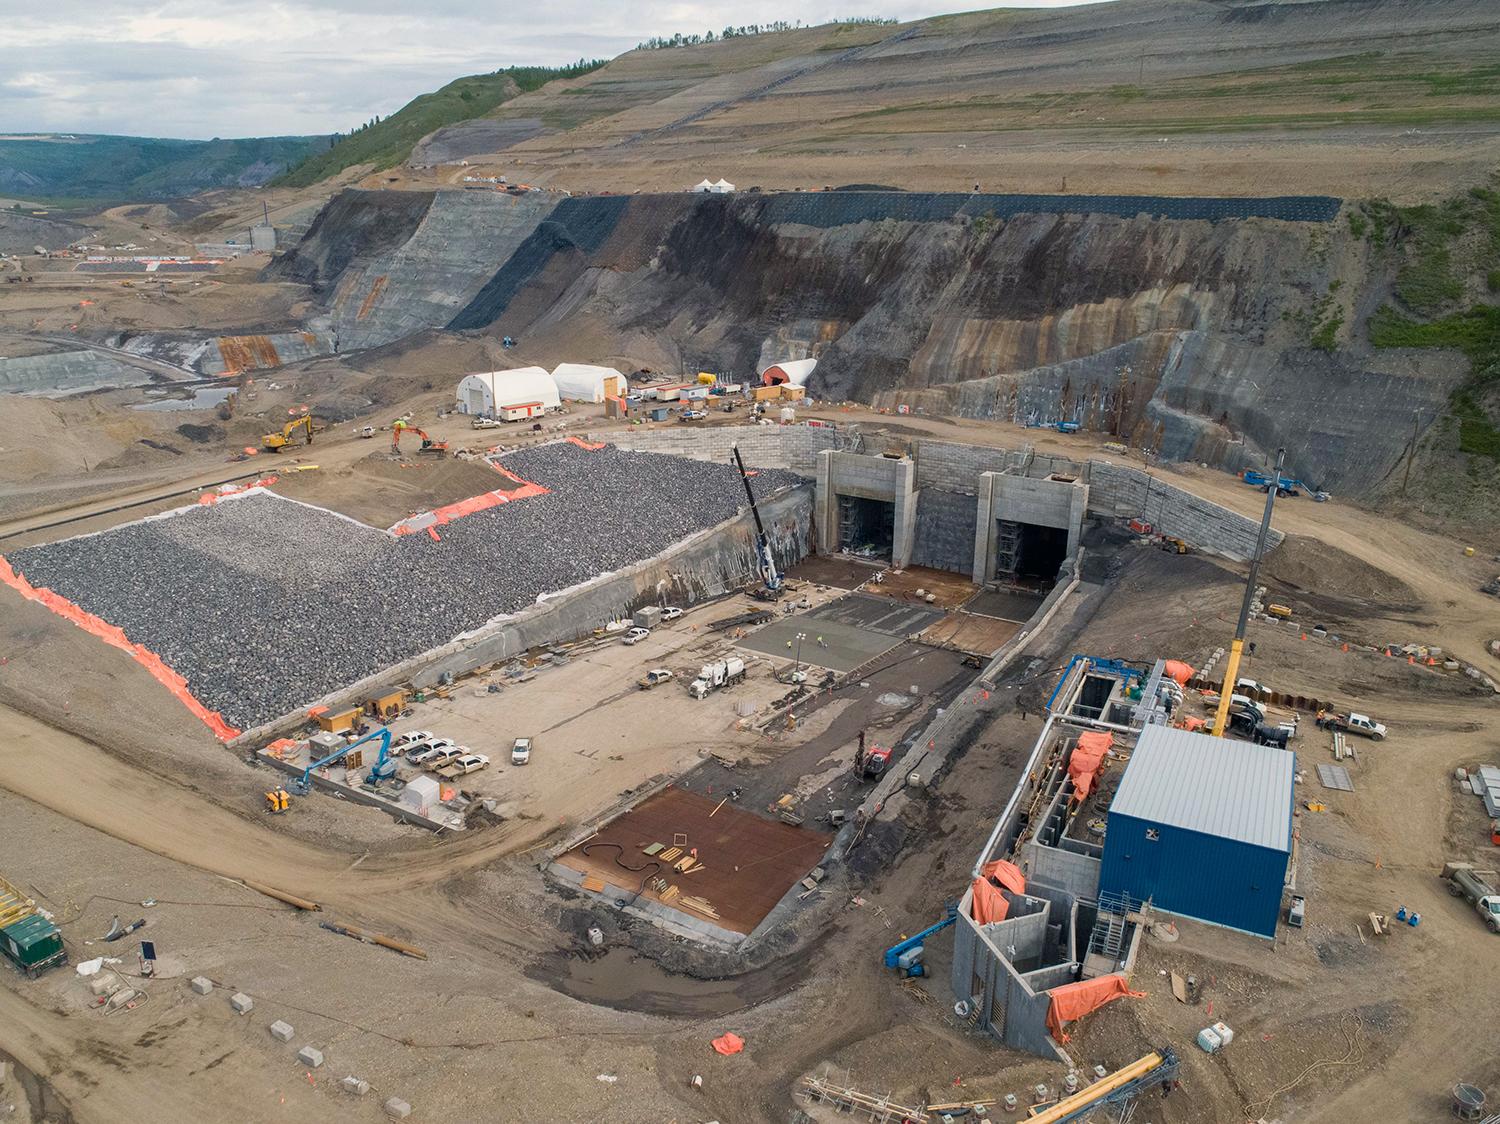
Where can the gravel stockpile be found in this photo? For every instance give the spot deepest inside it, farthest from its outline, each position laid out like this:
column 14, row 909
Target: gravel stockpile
column 264, row 604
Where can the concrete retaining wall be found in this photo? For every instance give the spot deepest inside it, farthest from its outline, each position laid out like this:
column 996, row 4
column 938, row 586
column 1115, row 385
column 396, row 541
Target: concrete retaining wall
column 1133, row 493
column 954, row 467
column 1078, row 874
column 792, row 447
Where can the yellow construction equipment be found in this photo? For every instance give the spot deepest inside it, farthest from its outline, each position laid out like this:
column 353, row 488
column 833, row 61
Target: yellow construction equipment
column 277, row 801
column 275, row 442
column 1237, row 646
column 1071, row 1108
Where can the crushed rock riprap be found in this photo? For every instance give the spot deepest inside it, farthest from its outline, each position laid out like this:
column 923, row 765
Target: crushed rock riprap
column 263, row 604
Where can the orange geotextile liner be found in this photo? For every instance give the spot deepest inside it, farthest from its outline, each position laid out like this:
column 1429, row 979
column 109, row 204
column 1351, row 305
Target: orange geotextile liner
column 482, row 502
column 1006, row 874
column 1074, row 1000
column 589, row 445
column 208, row 499
column 1083, row 765
column 1179, row 672
column 989, row 903
column 116, row 637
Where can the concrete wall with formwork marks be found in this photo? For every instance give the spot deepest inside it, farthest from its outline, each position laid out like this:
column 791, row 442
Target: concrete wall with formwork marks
column 792, row 447
column 861, row 476
column 461, row 241
column 1124, row 492
column 1058, row 502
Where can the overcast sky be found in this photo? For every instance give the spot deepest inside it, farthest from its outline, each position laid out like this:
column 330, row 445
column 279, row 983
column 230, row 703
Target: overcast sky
column 233, row 68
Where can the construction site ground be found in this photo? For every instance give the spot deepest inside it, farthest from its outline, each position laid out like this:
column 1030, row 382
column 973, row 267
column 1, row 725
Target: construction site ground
column 137, row 802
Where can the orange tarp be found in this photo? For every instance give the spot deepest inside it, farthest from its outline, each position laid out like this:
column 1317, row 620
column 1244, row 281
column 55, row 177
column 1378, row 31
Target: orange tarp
column 116, row 637
column 729, row 1043
column 1083, row 765
column 1073, row 1001
column 989, row 903
column 1179, row 672
column 1006, row 874
column 459, row 509
column 589, row 445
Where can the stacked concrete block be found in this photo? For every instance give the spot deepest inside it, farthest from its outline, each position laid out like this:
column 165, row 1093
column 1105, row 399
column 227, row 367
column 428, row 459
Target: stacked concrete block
column 1126, row 492
column 201, row 984
column 310, row 1056
column 241, row 1003
column 397, row 1109
column 281, row 1031
column 792, row 447
column 954, row 467
column 354, row 1086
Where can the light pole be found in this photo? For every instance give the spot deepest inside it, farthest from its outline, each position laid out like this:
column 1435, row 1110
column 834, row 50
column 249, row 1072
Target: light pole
column 801, row 636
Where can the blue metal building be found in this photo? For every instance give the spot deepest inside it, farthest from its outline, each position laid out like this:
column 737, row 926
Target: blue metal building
column 1202, row 827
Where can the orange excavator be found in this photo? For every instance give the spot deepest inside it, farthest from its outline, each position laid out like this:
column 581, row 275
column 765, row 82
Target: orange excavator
column 428, row 447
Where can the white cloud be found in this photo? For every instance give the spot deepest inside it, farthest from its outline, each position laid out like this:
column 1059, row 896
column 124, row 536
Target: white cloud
column 244, row 68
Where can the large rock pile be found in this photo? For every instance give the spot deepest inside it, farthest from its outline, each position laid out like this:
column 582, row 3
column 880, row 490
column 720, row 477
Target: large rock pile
column 264, row 604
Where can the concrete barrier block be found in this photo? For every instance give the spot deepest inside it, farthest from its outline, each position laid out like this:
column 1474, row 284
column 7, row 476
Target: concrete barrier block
column 310, row 1057
column 201, row 984
column 354, row 1086
column 398, row 1109
column 281, row 1031
column 241, row 1003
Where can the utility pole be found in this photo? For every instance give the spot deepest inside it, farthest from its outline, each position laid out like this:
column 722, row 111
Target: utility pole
column 1411, row 450
column 1237, row 647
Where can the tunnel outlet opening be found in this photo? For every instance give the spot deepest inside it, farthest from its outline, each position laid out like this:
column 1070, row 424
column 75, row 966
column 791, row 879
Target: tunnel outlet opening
column 867, row 528
column 1029, row 551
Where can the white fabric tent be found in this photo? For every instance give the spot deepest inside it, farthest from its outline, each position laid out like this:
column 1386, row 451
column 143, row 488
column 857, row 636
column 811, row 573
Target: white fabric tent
column 721, row 187
column 486, row 392
column 702, row 186
column 584, row 382
column 794, row 371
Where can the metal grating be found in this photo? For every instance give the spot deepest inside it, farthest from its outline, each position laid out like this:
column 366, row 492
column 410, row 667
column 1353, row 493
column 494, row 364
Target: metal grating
column 1335, row 776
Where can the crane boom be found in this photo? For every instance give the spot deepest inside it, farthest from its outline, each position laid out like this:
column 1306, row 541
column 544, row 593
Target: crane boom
column 1237, row 646
column 303, row 784
column 765, row 559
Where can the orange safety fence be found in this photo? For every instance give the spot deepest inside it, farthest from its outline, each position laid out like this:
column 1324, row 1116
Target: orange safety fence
column 1073, row 1001
column 591, row 446
column 208, row 499
column 989, row 903
column 1006, row 874
column 457, row 510
column 116, row 637
column 1179, row 672
column 1088, row 755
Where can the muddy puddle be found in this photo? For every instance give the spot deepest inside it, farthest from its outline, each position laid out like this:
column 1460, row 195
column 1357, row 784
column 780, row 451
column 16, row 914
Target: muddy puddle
column 627, row 981
column 205, row 398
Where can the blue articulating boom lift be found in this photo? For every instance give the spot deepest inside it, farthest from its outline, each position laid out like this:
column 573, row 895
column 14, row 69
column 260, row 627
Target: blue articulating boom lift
column 383, row 769
column 914, row 966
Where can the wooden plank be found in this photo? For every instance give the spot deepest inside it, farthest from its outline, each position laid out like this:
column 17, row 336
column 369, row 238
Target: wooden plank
column 1179, row 988
column 654, row 849
column 593, row 883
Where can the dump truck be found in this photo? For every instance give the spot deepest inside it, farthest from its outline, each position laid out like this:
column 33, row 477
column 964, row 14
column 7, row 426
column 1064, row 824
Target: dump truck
column 32, row 942
column 713, row 676
column 1464, row 882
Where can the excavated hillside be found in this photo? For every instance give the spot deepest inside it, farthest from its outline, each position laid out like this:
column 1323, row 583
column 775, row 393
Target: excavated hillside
column 1207, row 330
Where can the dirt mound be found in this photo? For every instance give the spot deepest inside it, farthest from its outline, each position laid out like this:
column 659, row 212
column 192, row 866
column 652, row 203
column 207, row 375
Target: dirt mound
column 380, row 490
column 1315, row 568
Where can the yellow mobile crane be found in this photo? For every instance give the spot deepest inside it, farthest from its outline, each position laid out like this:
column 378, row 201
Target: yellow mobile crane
column 1237, row 646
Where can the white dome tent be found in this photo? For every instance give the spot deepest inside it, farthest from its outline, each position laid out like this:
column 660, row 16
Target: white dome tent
column 792, row 371
column 584, row 382
column 489, row 392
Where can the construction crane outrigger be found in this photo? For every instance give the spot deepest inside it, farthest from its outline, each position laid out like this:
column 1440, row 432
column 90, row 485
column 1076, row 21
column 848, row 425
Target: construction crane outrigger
column 770, row 588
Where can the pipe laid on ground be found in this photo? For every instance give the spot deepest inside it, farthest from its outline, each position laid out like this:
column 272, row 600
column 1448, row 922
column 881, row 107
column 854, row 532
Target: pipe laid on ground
column 281, row 895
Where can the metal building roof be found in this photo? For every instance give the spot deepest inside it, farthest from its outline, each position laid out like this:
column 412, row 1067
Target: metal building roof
column 1229, row 789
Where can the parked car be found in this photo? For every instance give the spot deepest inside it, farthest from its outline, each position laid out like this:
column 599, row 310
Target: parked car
column 520, row 751
column 410, row 738
column 423, row 758
column 1353, row 724
column 468, row 763
column 670, row 613
column 1248, row 685
column 446, row 756
column 654, row 677
column 636, row 635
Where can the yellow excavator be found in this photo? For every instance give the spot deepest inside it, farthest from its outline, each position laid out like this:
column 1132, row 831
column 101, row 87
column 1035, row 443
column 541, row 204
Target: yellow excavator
column 275, row 442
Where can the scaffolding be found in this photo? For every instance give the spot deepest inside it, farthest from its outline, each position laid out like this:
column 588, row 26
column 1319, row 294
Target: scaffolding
column 1007, row 548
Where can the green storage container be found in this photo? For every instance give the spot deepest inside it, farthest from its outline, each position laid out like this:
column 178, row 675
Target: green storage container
column 33, row 943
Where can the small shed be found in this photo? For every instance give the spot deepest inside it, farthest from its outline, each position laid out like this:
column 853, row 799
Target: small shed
column 422, row 795
column 794, row 372
column 486, row 391
column 584, row 382
column 1202, row 827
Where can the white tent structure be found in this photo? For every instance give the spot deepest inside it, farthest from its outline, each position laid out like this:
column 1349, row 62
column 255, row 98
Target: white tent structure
column 721, row 187
column 793, row 371
column 489, row 392
column 584, row 382
column 702, row 186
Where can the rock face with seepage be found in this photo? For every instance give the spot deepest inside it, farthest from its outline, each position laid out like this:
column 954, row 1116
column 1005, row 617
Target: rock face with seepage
column 264, row 604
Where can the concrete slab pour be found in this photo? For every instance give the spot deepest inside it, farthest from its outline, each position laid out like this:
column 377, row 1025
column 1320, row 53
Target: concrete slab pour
column 879, row 614
column 843, row 646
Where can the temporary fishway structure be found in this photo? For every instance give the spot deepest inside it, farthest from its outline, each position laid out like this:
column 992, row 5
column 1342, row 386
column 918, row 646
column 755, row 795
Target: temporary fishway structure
column 794, row 372
column 584, row 382
column 488, row 392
